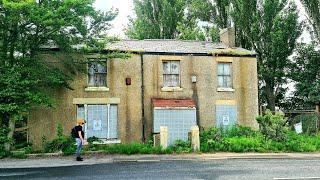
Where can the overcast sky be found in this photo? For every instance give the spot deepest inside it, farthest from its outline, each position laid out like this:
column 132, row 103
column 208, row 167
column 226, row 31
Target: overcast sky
column 125, row 8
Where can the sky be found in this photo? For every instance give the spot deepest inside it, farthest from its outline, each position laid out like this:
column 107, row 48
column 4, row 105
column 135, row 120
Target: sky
column 125, row 8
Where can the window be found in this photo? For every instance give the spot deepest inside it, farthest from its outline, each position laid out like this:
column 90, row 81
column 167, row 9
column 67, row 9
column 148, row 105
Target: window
column 224, row 75
column 171, row 73
column 226, row 115
column 102, row 120
column 97, row 73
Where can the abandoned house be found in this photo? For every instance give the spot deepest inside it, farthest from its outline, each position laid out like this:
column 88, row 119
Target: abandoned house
column 170, row 83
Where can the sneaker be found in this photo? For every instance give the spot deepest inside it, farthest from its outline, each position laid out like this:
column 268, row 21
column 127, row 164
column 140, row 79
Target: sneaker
column 79, row 159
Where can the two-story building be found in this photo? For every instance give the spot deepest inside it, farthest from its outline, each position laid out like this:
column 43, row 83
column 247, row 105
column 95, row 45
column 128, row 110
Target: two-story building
column 165, row 82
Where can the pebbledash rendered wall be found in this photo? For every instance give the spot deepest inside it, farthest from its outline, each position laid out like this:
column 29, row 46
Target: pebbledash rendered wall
column 42, row 122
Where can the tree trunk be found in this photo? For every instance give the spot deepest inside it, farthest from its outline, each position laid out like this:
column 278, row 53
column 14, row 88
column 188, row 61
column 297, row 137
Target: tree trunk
column 11, row 126
column 271, row 98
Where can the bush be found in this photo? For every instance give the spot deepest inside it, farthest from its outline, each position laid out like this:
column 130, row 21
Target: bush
column 180, row 146
column 240, row 131
column 60, row 143
column 91, row 143
column 273, row 126
column 243, row 144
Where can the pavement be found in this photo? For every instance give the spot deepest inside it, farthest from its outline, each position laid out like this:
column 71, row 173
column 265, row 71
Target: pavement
column 50, row 160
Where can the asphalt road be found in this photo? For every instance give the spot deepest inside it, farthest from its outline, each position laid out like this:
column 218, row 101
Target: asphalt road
column 209, row 169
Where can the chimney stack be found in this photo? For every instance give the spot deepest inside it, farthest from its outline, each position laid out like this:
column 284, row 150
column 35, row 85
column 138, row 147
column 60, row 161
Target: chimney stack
column 228, row 36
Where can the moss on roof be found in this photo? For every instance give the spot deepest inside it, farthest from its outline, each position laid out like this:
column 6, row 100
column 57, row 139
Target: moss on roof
column 231, row 51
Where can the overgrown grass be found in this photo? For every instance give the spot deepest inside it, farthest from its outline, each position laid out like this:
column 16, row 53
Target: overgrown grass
column 234, row 140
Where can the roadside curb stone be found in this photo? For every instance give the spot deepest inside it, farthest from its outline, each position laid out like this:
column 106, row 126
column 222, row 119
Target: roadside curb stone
column 57, row 160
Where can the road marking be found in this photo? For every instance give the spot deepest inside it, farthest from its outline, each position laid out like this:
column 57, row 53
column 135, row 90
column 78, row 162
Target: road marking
column 296, row 178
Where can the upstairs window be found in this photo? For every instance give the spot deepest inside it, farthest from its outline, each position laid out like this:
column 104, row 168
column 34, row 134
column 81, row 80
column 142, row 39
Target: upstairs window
column 97, row 73
column 224, row 75
column 171, row 73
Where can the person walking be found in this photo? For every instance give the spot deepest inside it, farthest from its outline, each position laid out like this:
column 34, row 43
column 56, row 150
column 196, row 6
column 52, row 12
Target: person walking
column 79, row 136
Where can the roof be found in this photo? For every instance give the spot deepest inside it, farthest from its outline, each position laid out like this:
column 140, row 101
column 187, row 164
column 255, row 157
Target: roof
column 177, row 46
column 173, row 103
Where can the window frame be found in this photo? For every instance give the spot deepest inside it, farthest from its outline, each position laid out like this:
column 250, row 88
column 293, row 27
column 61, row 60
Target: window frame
column 85, row 108
column 225, row 76
column 164, row 74
column 103, row 62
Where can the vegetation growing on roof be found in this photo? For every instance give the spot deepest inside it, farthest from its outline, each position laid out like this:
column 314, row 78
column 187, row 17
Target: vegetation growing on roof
column 234, row 52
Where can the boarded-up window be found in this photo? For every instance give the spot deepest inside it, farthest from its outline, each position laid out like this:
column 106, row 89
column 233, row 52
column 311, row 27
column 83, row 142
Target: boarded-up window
column 171, row 73
column 226, row 115
column 102, row 120
column 97, row 73
column 224, row 75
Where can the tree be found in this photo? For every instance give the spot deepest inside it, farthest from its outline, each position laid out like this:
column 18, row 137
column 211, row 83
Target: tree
column 271, row 28
column 223, row 14
column 156, row 19
column 306, row 74
column 313, row 9
column 25, row 27
column 163, row 19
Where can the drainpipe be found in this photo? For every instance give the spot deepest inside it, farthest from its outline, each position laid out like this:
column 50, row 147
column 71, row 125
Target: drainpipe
column 143, row 138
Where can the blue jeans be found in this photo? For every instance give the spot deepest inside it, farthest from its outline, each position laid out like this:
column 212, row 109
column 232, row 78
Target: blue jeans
column 79, row 146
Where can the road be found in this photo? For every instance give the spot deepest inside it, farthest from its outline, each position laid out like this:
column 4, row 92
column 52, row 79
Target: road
column 234, row 169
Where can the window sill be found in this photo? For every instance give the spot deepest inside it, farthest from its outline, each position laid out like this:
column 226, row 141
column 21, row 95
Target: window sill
column 225, row 89
column 171, row 89
column 93, row 89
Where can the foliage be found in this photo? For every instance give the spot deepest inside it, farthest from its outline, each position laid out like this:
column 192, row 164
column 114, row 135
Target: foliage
column 255, row 142
column 60, row 143
column 92, row 141
column 59, row 130
column 313, row 9
column 19, row 154
column 216, row 12
column 310, row 123
column 26, row 27
column 164, row 19
column 269, row 27
column 3, row 140
column 180, row 146
column 273, row 126
column 272, row 32
column 134, row 148
column 306, row 74
column 234, row 139
column 156, row 19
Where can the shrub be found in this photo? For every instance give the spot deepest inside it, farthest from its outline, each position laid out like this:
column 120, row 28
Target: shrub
column 91, row 143
column 60, row 143
column 273, row 126
column 243, row 144
column 180, row 146
column 240, row 131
